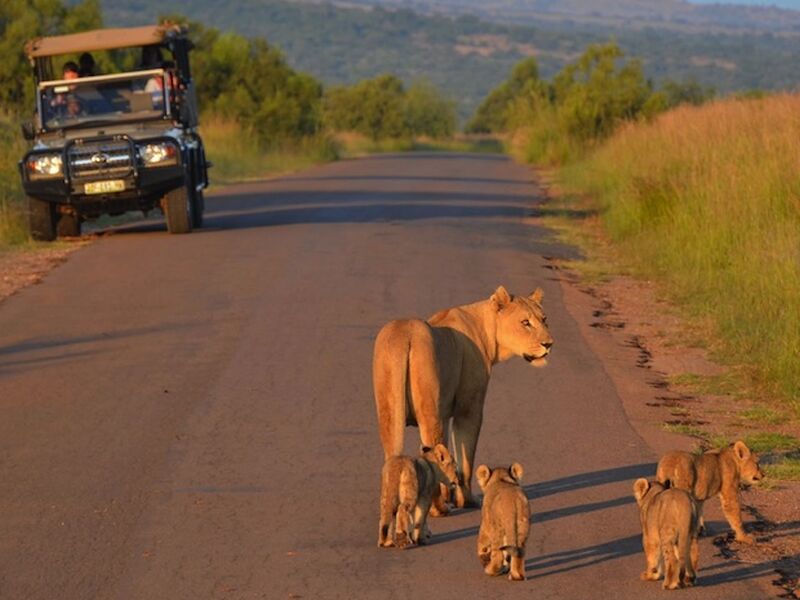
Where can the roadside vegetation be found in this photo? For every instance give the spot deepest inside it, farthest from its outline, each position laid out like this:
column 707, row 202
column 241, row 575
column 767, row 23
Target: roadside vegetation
column 700, row 195
column 260, row 116
column 705, row 200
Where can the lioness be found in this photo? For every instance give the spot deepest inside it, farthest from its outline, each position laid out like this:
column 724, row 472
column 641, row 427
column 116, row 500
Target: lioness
column 669, row 533
column 714, row 472
column 408, row 486
column 427, row 372
column 505, row 521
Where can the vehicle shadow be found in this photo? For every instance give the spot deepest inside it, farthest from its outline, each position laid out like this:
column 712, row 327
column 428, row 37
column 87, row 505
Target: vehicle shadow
column 321, row 196
column 38, row 351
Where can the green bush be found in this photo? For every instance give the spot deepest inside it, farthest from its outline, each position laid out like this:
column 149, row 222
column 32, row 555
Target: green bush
column 552, row 122
column 381, row 108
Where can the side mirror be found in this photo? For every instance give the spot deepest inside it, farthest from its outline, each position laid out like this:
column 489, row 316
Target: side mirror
column 28, row 132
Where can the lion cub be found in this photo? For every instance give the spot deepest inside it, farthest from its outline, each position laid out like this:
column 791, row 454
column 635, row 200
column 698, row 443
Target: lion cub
column 669, row 533
column 505, row 521
column 717, row 472
column 408, row 488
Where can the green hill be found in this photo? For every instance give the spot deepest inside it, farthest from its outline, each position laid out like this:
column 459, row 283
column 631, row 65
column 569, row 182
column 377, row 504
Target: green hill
column 467, row 56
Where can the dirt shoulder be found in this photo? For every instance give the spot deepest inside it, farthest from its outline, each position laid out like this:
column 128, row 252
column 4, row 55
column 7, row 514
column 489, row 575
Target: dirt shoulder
column 638, row 337
column 20, row 268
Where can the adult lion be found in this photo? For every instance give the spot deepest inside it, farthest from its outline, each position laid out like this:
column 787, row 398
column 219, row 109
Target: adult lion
column 426, row 373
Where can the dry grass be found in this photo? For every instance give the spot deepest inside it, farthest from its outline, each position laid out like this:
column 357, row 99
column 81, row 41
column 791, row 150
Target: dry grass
column 238, row 155
column 707, row 200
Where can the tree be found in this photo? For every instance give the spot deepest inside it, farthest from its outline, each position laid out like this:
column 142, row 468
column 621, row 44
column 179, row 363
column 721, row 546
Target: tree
column 492, row 115
column 23, row 20
column 428, row 112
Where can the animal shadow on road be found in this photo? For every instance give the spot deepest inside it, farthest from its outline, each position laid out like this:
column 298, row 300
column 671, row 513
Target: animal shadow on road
column 566, row 484
column 590, row 479
column 579, row 558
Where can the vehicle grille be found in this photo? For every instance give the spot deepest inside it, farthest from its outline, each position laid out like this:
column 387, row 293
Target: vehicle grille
column 112, row 158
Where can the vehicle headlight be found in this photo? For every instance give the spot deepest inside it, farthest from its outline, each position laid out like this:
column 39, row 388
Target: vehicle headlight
column 160, row 154
column 46, row 165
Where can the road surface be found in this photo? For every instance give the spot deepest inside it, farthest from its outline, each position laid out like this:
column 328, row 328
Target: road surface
column 192, row 416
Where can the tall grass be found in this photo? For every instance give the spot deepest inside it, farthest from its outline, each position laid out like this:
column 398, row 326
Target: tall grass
column 13, row 224
column 237, row 153
column 707, row 200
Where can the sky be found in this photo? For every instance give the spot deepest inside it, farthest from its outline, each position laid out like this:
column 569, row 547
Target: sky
column 793, row 4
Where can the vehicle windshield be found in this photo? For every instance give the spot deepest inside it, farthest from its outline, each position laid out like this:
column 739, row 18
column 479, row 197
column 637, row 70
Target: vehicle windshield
column 104, row 100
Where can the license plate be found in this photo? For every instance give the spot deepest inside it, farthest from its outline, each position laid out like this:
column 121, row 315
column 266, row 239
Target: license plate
column 104, row 187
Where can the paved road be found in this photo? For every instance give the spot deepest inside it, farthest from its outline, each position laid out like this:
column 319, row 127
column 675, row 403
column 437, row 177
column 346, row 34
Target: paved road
column 192, row 416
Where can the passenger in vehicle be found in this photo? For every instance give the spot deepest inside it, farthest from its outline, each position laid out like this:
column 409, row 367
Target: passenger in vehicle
column 87, row 66
column 66, row 103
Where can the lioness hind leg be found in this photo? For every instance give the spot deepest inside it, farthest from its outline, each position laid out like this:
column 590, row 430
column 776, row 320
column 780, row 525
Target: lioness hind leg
column 466, row 428
column 385, row 535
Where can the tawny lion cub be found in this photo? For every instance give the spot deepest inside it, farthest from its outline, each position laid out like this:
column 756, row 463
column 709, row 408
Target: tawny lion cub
column 505, row 521
column 669, row 533
column 717, row 472
column 408, row 488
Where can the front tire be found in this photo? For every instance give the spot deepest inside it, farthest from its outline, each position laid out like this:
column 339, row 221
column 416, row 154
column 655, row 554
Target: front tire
column 177, row 206
column 69, row 226
column 41, row 220
column 198, row 207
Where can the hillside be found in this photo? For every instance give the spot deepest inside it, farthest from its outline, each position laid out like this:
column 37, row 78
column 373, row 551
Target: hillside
column 680, row 15
column 467, row 56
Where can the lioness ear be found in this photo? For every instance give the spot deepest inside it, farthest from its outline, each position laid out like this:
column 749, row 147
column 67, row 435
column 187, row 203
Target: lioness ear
column 516, row 471
column 482, row 475
column 423, row 449
column 501, row 298
column 442, row 454
column 741, row 449
column 640, row 488
column 537, row 295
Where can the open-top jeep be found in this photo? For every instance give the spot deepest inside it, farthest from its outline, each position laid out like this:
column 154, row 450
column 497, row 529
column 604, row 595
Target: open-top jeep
column 108, row 144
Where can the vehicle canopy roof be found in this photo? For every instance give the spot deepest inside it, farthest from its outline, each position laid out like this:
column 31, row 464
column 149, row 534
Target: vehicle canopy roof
column 102, row 39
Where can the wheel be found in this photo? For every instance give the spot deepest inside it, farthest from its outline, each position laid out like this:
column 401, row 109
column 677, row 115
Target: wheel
column 177, row 206
column 198, row 207
column 69, row 226
column 41, row 220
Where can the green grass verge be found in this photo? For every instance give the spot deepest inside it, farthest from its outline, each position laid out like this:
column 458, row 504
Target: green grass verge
column 13, row 221
column 787, row 469
column 771, row 442
column 703, row 200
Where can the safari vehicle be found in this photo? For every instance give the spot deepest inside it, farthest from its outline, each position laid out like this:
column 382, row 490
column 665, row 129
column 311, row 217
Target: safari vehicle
column 108, row 144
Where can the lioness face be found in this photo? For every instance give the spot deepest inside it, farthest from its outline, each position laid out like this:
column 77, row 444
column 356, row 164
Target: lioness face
column 522, row 327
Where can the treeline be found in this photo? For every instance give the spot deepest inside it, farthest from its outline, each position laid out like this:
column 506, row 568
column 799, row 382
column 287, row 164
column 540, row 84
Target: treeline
column 551, row 121
column 382, row 108
column 466, row 56
column 244, row 80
